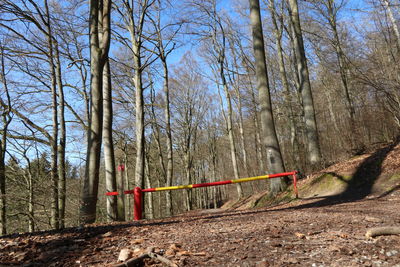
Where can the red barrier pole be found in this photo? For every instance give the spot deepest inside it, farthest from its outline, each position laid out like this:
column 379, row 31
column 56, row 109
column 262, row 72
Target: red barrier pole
column 295, row 185
column 137, row 205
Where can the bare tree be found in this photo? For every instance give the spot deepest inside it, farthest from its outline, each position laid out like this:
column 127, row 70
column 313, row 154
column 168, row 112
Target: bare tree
column 109, row 158
column 393, row 21
column 6, row 120
column 99, row 20
column 314, row 153
column 278, row 24
column 134, row 22
column 164, row 46
column 269, row 137
column 215, row 32
column 189, row 106
column 329, row 10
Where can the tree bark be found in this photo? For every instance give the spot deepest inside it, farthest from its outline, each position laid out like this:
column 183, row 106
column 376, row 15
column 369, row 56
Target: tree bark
column 139, row 170
column 54, row 218
column 109, row 157
column 149, row 197
column 393, row 22
column 163, row 52
column 136, row 46
column 62, row 143
column 31, row 201
column 5, row 116
column 220, row 49
column 3, row 199
column 98, row 57
column 167, row 114
column 314, row 153
column 270, row 139
column 284, row 79
column 343, row 70
column 121, row 185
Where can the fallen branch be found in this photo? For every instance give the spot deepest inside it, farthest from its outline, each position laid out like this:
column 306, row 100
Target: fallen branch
column 387, row 230
column 137, row 261
column 162, row 259
column 133, row 262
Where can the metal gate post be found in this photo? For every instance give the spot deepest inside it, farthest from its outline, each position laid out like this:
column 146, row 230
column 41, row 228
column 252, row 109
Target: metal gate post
column 137, row 203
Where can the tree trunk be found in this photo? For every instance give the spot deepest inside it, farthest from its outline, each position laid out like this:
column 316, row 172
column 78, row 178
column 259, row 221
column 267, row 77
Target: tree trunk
column 259, row 145
column 270, row 140
column 98, row 57
column 241, row 131
column 3, row 147
column 228, row 120
column 285, row 83
column 213, row 159
column 170, row 165
column 343, row 70
column 124, row 177
column 3, row 200
column 62, row 143
column 232, row 144
column 236, row 86
column 31, row 206
column 188, row 172
column 109, row 158
column 121, row 185
column 314, row 154
column 139, row 169
column 149, row 197
column 54, row 219
column 393, row 22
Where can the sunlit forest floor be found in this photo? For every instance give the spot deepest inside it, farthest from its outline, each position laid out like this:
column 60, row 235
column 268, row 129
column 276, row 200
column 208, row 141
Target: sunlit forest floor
column 326, row 226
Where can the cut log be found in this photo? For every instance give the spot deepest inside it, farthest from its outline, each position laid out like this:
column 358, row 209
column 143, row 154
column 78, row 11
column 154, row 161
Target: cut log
column 387, row 230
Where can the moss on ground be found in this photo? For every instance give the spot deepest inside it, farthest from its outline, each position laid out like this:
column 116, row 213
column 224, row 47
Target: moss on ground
column 325, row 184
column 268, row 200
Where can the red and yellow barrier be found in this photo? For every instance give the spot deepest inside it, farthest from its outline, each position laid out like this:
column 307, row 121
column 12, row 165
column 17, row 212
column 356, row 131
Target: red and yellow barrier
column 138, row 192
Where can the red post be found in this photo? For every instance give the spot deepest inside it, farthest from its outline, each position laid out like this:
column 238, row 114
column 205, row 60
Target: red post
column 137, row 205
column 295, row 185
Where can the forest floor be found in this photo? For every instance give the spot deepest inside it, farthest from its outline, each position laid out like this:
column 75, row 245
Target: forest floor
column 319, row 229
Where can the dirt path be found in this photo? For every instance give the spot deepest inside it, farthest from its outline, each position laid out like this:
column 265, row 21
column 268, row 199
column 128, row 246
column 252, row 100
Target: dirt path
column 295, row 234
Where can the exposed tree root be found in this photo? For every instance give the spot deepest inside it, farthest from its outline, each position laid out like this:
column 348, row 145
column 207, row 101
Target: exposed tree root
column 387, row 230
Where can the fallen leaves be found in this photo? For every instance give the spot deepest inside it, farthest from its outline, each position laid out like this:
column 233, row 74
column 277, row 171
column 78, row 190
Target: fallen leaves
column 331, row 235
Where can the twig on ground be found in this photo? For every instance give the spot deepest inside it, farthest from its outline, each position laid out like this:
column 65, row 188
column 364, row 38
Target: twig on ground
column 162, row 259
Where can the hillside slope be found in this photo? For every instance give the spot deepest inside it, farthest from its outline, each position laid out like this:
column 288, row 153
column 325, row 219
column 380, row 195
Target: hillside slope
column 373, row 174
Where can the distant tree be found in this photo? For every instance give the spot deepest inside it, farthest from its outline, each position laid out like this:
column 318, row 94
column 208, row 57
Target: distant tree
column 214, row 39
column 188, row 98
